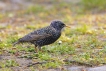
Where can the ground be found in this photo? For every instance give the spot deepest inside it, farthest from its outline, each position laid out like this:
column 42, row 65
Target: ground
column 83, row 46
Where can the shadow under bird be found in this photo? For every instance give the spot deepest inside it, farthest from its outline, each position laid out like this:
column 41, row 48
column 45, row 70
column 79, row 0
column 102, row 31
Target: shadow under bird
column 43, row 36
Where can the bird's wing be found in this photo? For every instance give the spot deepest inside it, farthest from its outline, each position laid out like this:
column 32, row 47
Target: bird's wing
column 33, row 37
column 30, row 38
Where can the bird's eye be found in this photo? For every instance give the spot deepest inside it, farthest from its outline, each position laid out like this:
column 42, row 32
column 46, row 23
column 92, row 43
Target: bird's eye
column 63, row 24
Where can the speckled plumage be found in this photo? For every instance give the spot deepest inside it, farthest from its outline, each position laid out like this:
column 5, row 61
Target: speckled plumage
column 44, row 36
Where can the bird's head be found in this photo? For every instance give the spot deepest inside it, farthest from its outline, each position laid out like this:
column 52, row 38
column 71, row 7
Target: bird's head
column 58, row 25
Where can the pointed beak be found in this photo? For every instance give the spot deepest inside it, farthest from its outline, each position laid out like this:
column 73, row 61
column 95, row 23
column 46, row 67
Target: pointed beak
column 67, row 26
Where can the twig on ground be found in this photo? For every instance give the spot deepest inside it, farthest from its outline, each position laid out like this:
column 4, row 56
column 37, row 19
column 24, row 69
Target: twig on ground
column 78, row 63
column 36, row 63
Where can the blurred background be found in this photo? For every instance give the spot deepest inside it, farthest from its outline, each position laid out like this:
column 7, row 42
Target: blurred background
column 47, row 10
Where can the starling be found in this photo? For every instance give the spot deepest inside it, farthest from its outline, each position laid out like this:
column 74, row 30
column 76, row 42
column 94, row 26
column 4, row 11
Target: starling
column 43, row 36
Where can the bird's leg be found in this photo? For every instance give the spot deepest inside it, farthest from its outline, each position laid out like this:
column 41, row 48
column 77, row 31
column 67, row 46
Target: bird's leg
column 36, row 49
column 39, row 47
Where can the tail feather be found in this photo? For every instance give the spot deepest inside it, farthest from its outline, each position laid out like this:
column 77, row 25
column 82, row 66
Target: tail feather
column 16, row 43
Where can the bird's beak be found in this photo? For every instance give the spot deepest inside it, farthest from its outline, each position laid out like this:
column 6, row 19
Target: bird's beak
column 67, row 26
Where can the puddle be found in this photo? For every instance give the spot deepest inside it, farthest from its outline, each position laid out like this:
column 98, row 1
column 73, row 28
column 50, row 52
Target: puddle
column 81, row 68
column 101, row 68
column 77, row 68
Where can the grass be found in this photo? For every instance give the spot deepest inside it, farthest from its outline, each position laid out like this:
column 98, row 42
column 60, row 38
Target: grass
column 83, row 42
column 91, row 4
column 8, row 63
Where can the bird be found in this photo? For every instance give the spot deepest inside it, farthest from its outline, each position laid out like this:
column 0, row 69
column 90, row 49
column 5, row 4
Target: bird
column 43, row 36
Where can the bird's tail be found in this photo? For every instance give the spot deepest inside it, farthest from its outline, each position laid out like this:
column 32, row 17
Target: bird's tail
column 16, row 43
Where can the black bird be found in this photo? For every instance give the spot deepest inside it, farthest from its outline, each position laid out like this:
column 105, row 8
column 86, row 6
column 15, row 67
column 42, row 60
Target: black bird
column 43, row 36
